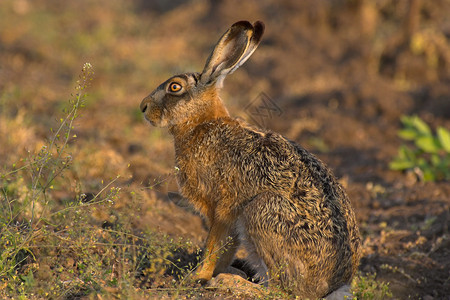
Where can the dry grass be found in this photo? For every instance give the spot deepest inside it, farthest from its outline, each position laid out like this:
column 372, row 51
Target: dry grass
column 84, row 181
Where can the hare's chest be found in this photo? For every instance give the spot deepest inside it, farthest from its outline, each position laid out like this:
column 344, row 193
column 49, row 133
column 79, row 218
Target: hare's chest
column 193, row 178
column 195, row 181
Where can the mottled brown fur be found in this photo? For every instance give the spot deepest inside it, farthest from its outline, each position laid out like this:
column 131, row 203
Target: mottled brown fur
column 255, row 186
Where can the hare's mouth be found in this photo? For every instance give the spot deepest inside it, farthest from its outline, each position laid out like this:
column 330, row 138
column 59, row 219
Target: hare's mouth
column 153, row 123
column 155, row 120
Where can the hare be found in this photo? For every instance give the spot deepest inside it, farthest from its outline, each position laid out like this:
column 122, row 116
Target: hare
column 255, row 187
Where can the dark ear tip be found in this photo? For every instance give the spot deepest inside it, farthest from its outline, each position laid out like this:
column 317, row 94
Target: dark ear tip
column 259, row 29
column 245, row 24
column 259, row 25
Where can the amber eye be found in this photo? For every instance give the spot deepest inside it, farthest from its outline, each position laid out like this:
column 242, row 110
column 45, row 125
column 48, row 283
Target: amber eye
column 174, row 87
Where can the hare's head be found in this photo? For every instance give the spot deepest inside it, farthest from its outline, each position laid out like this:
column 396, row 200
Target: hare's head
column 193, row 97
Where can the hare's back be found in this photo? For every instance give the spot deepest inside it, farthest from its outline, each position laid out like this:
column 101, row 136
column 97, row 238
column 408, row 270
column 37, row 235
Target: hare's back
column 269, row 155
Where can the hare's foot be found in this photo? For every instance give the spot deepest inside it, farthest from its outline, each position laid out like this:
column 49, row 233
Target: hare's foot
column 341, row 293
column 203, row 274
column 236, row 285
column 202, row 280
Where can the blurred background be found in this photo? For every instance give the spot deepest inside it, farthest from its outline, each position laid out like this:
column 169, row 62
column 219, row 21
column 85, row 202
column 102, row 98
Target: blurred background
column 342, row 74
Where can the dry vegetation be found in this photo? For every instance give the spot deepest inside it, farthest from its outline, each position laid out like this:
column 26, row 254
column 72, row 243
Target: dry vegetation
column 84, row 211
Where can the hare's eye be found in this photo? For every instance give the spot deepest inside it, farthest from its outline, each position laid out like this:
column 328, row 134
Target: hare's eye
column 174, row 87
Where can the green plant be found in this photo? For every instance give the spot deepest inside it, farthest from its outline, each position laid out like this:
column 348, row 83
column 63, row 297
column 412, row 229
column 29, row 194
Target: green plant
column 429, row 156
column 367, row 288
column 25, row 189
column 31, row 222
column 51, row 246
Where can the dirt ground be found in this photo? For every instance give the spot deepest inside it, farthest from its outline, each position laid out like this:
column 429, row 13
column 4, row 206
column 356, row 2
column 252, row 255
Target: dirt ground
column 337, row 76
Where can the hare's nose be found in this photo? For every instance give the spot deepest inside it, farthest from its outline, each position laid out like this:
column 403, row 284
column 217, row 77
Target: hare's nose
column 144, row 105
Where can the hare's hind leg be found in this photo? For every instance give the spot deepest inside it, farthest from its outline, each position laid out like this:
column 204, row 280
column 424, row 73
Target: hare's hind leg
column 272, row 232
column 253, row 258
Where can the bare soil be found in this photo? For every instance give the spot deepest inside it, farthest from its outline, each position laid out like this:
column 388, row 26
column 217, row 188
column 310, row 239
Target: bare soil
column 338, row 74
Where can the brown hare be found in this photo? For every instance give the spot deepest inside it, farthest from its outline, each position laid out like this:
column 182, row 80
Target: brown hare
column 255, row 187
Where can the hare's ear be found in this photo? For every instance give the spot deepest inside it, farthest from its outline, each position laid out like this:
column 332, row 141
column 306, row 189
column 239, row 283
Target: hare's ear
column 232, row 50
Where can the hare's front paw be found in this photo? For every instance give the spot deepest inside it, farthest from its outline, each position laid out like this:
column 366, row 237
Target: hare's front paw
column 202, row 275
column 237, row 285
column 200, row 281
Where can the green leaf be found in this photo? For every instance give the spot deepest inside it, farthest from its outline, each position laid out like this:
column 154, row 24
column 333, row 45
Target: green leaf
column 428, row 175
column 436, row 160
column 428, row 144
column 402, row 152
column 421, row 126
column 408, row 121
column 407, row 134
column 444, row 138
column 406, row 153
column 400, row 165
column 421, row 163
